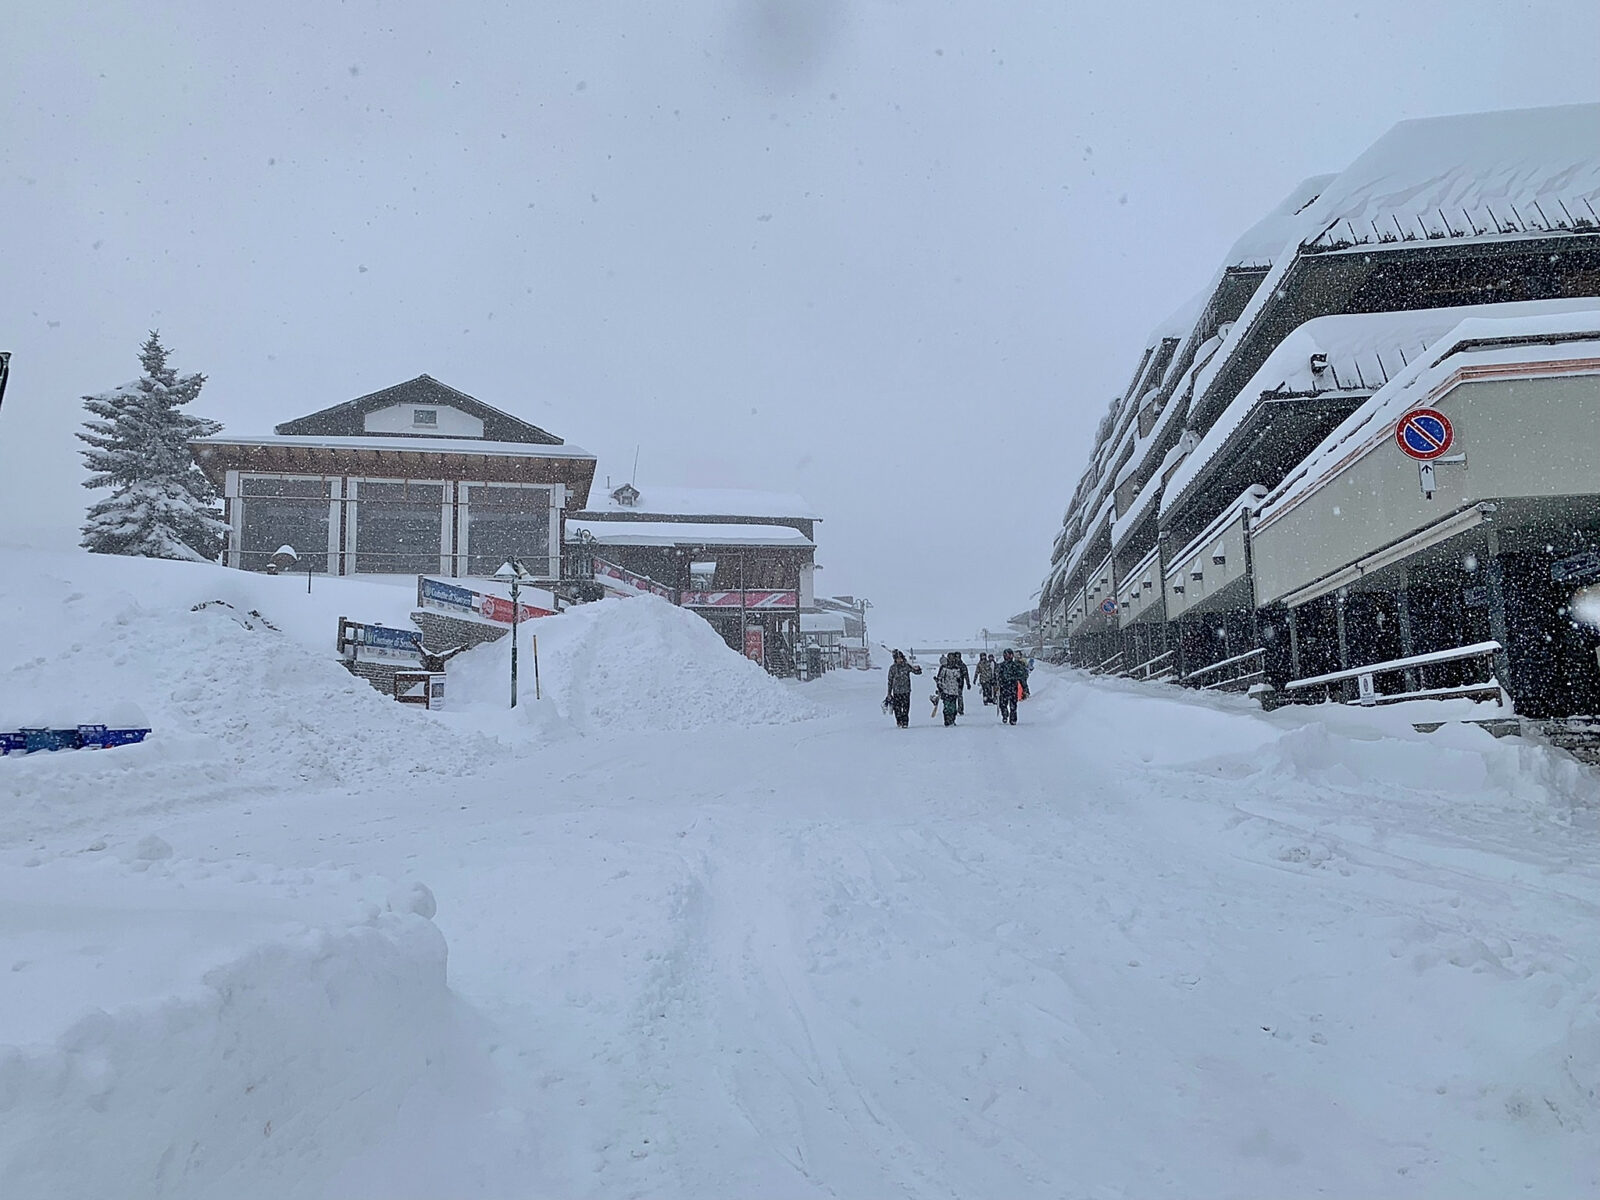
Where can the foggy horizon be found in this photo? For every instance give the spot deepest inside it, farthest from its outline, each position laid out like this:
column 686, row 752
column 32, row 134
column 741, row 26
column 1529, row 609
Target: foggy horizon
column 897, row 259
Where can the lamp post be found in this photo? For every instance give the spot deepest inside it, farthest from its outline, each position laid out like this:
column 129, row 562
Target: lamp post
column 512, row 572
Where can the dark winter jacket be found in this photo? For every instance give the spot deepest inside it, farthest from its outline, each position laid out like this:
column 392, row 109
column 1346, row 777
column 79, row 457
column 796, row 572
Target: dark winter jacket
column 900, row 674
column 1012, row 670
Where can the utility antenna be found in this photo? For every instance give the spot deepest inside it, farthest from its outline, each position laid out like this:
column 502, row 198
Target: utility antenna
column 635, row 479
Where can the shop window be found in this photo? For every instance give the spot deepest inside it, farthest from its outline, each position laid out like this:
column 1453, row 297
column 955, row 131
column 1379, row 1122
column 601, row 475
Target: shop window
column 505, row 523
column 285, row 512
column 398, row 528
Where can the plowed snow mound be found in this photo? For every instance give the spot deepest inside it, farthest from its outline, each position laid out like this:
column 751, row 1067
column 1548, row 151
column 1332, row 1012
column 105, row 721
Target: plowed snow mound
column 631, row 665
column 237, row 706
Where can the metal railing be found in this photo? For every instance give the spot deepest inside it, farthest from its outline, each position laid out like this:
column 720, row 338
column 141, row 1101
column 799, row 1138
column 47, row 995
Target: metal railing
column 1234, row 674
column 1415, row 667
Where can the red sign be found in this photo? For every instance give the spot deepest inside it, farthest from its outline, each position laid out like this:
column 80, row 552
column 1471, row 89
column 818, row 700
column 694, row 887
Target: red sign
column 1424, row 433
column 755, row 645
column 731, row 600
column 496, row 609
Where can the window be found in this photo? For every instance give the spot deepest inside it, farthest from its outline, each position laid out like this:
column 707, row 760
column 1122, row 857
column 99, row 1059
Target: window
column 399, row 527
column 285, row 512
column 505, row 523
column 425, row 416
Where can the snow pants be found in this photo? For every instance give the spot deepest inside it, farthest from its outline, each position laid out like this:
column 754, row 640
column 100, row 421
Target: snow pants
column 951, row 708
column 901, row 704
column 1008, row 702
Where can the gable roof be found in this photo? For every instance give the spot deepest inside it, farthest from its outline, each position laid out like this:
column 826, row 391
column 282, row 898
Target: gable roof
column 498, row 426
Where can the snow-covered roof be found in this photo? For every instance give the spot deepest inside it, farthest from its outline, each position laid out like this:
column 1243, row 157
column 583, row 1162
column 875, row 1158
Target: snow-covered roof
column 406, row 445
column 821, row 623
column 1263, row 242
column 707, row 502
column 675, row 533
column 1518, row 172
column 1363, row 351
column 1371, row 424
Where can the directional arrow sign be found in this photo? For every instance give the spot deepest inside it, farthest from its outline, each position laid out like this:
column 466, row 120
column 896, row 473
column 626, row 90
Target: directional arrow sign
column 1424, row 433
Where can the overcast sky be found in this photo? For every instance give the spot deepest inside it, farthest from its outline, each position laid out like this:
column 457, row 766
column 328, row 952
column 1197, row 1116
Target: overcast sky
column 896, row 256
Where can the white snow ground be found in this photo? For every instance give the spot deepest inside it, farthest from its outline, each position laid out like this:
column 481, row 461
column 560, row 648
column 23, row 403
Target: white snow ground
column 761, row 943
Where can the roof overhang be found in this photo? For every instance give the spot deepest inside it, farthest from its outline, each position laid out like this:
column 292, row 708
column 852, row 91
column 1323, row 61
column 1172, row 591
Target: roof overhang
column 396, row 458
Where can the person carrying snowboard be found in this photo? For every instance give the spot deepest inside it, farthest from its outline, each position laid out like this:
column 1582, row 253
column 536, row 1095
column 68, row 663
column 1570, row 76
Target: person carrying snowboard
column 899, row 697
column 949, row 682
column 1011, row 678
column 985, row 674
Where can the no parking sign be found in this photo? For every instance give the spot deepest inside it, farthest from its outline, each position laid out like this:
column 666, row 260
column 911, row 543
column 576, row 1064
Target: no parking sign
column 1424, row 433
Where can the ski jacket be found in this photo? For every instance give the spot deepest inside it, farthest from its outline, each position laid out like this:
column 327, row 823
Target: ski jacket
column 1013, row 671
column 948, row 680
column 900, row 674
column 985, row 671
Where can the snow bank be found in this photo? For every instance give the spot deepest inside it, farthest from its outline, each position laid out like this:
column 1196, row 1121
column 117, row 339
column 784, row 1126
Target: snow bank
column 200, row 1042
column 627, row 665
column 245, row 693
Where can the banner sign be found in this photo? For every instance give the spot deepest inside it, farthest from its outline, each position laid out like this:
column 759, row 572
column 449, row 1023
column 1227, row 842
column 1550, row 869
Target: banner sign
column 751, row 600
column 755, row 644
column 434, row 593
column 447, row 595
column 382, row 637
column 640, row 583
column 495, row 608
column 382, row 640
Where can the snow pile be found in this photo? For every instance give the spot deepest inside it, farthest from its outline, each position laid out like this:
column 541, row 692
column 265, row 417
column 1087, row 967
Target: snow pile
column 627, row 665
column 245, row 694
column 201, row 1040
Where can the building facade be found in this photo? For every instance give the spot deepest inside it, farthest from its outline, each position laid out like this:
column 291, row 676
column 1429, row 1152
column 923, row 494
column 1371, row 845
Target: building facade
column 1194, row 548
column 418, row 478
column 743, row 560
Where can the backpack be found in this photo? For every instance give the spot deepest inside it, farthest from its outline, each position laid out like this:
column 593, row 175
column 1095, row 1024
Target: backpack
column 948, row 680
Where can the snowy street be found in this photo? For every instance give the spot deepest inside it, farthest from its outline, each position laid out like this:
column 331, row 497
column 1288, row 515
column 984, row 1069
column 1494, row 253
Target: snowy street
column 1294, row 953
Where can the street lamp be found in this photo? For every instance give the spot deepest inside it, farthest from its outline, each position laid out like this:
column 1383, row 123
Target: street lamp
column 511, row 571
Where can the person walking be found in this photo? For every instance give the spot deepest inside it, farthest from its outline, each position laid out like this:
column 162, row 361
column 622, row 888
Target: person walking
column 948, row 683
column 1012, row 680
column 985, row 674
column 959, row 660
column 899, row 697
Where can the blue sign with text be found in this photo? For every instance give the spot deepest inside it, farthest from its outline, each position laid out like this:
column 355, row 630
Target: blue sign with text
column 448, row 594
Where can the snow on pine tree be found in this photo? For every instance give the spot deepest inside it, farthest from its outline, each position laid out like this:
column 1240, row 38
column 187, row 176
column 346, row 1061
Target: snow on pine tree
column 161, row 504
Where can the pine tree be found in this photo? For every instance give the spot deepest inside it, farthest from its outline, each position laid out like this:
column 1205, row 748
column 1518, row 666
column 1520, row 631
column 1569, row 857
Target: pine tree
column 161, row 504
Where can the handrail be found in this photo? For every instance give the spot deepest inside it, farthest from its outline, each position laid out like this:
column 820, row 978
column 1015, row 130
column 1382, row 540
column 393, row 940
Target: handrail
column 1149, row 664
column 1227, row 662
column 1098, row 670
column 1458, row 654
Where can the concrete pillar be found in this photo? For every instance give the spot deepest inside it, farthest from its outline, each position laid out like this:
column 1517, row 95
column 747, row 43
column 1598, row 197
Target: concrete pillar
column 1403, row 613
column 1294, row 644
column 1494, row 579
column 1344, row 644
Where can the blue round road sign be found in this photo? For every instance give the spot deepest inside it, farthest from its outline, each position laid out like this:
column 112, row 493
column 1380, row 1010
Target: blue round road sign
column 1108, row 606
column 1424, row 433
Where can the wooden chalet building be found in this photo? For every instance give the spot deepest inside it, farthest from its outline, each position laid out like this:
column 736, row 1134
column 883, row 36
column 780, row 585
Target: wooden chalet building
column 744, row 560
column 414, row 479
